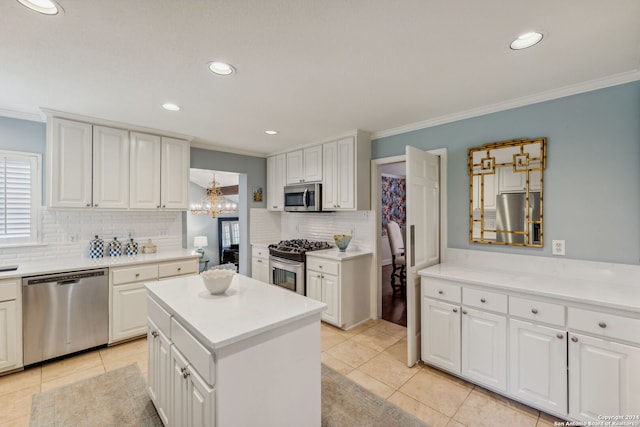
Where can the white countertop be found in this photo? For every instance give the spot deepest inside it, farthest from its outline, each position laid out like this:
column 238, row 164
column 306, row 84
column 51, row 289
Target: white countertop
column 57, row 265
column 336, row 255
column 597, row 292
column 248, row 308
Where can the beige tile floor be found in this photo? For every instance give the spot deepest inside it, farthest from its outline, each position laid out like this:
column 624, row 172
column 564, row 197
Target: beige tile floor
column 373, row 355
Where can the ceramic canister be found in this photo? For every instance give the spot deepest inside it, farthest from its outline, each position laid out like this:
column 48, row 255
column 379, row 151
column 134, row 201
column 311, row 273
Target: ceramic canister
column 115, row 247
column 132, row 247
column 96, row 247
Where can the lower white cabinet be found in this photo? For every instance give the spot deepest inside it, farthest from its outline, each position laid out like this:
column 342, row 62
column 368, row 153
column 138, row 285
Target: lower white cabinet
column 441, row 339
column 484, row 348
column 538, row 365
column 159, row 372
column 10, row 325
column 325, row 287
column 604, row 378
column 192, row 400
column 260, row 263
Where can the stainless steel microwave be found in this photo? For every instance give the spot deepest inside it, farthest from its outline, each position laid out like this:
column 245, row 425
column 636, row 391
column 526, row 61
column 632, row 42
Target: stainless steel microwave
column 303, row 197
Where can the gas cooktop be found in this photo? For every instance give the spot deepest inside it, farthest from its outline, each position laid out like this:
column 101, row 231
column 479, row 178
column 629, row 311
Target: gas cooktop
column 295, row 249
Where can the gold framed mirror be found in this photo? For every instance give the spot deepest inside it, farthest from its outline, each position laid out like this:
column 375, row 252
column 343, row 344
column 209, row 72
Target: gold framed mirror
column 506, row 192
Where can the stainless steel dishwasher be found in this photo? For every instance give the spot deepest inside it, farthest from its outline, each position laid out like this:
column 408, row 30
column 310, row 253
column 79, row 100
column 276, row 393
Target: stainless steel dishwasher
column 64, row 313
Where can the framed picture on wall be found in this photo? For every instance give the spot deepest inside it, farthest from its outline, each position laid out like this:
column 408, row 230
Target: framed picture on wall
column 257, row 194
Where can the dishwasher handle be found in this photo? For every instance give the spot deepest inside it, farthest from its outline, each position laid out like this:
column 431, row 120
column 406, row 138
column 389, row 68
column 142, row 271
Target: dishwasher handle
column 67, row 282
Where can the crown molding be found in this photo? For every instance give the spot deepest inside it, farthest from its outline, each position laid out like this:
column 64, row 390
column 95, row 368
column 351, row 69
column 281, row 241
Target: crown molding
column 214, row 147
column 32, row 117
column 614, row 80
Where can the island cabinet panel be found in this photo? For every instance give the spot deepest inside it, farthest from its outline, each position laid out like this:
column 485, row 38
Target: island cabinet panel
column 159, row 357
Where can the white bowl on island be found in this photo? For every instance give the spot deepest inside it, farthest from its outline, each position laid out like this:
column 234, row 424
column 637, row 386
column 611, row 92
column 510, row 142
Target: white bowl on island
column 217, row 281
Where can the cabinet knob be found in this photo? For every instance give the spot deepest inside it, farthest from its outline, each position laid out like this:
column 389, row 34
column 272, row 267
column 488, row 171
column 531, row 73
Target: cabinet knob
column 455, row 310
column 534, row 310
column 259, row 260
column 319, row 266
column 560, row 336
column 95, row 206
column 274, row 206
column 602, row 325
column 137, row 274
column 318, row 276
column 179, row 268
column 154, row 334
column 185, row 373
column 158, row 206
column 574, row 339
column 88, row 205
column 440, row 292
column 483, row 300
column 464, row 311
column 164, row 206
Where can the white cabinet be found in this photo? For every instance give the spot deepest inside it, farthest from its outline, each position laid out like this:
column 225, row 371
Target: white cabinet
column 516, row 182
column 342, row 285
column 304, row 165
column 159, row 172
column 346, row 164
column 276, row 179
column 87, row 166
column 441, row 339
column 260, row 263
column 159, row 374
column 192, row 399
column 10, row 325
column 538, row 365
column 484, row 348
column 490, row 191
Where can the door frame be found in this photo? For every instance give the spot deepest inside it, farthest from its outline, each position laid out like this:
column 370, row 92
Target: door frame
column 376, row 199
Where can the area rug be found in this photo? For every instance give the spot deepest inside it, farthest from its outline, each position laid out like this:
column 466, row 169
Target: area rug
column 120, row 398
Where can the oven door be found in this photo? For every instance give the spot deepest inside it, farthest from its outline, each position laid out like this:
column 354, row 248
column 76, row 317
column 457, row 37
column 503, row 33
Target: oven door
column 287, row 274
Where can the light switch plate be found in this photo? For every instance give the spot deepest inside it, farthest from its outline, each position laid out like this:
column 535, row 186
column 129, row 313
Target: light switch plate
column 557, row 247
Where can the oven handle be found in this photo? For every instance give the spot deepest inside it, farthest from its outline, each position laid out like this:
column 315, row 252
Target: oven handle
column 284, row 261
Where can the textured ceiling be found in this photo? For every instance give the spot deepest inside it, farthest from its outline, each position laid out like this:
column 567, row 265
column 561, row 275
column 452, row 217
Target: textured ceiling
column 310, row 69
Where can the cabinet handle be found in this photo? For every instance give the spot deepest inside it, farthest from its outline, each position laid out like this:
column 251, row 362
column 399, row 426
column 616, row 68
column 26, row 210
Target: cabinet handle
column 137, row 274
column 441, row 292
column 574, row 339
column 154, row 334
column 88, row 205
column 464, row 311
column 259, row 260
column 179, row 268
column 534, row 310
column 318, row 276
column 602, row 325
column 164, row 206
column 95, row 206
column 455, row 310
column 185, row 373
column 560, row 336
column 158, row 206
column 274, row 206
column 482, row 300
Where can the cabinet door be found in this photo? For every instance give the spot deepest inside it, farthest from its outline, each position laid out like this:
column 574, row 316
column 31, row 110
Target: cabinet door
column 174, row 174
column 331, row 297
column 484, row 349
column 330, row 182
column 604, row 378
column 69, row 149
column 145, row 171
column 8, row 336
column 201, row 403
column 538, row 365
column 441, row 334
column 179, row 389
column 314, row 285
column 110, row 168
column 510, row 181
column 159, row 371
column 312, row 164
column 346, row 176
column 129, row 311
column 276, row 178
column 295, row 167
column 260, row 269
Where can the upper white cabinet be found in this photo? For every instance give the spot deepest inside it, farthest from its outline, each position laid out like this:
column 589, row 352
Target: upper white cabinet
column 347, row 170
column 88, row 166
column 516, row 182
column 276, row 179
column 159, row 172
column 304, row 165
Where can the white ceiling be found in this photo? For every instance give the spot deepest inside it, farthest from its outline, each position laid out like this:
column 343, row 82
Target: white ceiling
column 203, row 178
column 310, row 69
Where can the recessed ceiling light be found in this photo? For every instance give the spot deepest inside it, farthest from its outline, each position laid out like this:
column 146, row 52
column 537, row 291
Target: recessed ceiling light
column 170, row 106
column 47, row 7
column 221, row 68
column 271, row 132
column 526, row 40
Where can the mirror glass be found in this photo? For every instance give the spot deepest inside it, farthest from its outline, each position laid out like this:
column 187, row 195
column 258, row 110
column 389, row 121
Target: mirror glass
column 505, row 189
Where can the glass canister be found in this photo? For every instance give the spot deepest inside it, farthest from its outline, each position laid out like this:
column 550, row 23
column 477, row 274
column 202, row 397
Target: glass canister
column 132, row 247
column 115, row 247
column 96, row 247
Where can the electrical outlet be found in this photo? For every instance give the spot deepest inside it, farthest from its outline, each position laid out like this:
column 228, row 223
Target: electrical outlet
column 557, row 247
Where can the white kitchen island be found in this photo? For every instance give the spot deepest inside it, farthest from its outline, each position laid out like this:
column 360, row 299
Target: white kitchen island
column 248, row 357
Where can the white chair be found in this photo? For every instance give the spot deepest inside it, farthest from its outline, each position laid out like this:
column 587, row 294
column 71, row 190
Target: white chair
column 397, row 257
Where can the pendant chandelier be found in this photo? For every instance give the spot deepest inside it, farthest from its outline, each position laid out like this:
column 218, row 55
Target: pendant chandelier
column 214, row 202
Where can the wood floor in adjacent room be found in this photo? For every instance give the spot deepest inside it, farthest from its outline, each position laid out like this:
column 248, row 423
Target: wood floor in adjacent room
column 394, row 303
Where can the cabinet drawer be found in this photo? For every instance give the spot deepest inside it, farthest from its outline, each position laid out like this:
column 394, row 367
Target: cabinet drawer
column 323, row 265
column 8, row 289
column 178, row 268
column 134, row 274
column 198, row 356
column 260, row 252
column 441, row 289
column 484, row 299
column 605, row 324
column 159, row 316
column 537, row 310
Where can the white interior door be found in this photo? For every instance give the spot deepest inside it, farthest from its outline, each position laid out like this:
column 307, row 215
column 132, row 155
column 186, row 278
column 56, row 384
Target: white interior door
column 423, row 235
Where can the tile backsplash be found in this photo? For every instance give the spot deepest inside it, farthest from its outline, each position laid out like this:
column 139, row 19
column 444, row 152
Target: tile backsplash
column 322, row 226
column 67, row 233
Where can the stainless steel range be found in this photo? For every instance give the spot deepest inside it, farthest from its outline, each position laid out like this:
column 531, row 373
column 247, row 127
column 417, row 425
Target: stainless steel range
column 287, row 262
